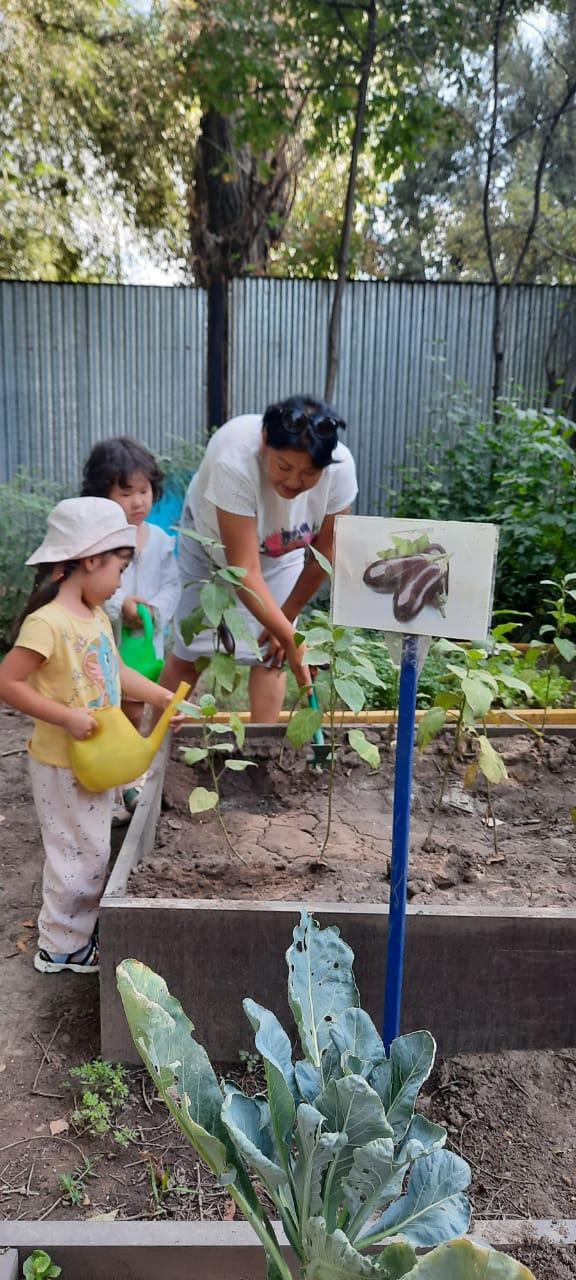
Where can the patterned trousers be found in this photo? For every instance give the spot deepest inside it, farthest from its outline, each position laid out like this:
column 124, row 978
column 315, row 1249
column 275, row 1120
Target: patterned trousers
column 75, row 827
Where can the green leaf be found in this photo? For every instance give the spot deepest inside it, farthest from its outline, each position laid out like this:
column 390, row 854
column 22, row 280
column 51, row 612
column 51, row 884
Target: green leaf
column 275, row 1049
column 236, row 623
column 316, row 1150
column 242, row 1118
column 352, row 1107
column 420, row 1139
column 399, row 1079
column 433, row 1208
column 179, row 1066
column 365, row 749
column 238, row 729
column 490, row 761
column 303, row 725
column 350, row 692
column 565, row 647
column 355, row 1033
column 322, row 561
column 331, row 1256
column 320, row 983
column 317, row 657
column 208, row 705
column 193, row 754
column 238, row 766
column 201, row 800
column 233, row 574
column 201, row 538
column 478, row 694
column 215, row 600
column 374, row 1179
column 396, row 1260
column 193, row 624
column 223, row 667
column 431, row 723
column 463, row 1260
column 317, row 637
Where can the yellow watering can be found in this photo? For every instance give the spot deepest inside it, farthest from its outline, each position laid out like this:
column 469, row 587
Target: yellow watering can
column 116, row 753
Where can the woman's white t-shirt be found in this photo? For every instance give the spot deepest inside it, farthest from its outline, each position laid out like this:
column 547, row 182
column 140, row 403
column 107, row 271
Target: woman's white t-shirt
column 232, row 477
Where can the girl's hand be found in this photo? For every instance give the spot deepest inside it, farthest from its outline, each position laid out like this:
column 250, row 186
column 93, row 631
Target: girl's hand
column 130, row 613
column 79, row 723
column 164, row 697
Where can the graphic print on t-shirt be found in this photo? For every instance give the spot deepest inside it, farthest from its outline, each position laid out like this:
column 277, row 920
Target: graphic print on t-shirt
column 100, row 666
column 283, row 540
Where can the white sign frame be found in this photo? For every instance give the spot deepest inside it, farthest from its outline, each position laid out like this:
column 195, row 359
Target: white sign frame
column 455, row 578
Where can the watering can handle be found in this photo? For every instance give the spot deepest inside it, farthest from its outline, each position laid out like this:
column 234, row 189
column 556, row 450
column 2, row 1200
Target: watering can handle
column 146, row 619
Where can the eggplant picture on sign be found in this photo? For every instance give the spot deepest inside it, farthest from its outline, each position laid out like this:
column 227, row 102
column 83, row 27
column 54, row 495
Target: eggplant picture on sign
column 422, row 577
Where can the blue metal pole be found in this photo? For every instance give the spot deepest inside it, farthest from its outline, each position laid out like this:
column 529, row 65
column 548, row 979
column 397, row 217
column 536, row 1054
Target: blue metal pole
column 400, row 839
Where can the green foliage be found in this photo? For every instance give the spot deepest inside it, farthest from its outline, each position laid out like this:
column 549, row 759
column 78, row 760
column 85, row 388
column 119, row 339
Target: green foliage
column 39, row 1266
column 73, row 1183
column 104, row 1092
column 335, row 1143
column 517, row 473
column 25, row 502
column 218, row 740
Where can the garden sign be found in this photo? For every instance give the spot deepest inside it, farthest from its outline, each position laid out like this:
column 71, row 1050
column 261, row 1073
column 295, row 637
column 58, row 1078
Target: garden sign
column 411, row 578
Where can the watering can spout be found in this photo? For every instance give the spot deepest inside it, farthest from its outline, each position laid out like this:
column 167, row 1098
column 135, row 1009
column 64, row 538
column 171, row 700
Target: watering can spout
column 116, row 753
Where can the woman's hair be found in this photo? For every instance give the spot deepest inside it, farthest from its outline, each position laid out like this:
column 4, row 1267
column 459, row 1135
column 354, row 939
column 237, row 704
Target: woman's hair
column 306, row 424
column 45, row 589
column 114, row 462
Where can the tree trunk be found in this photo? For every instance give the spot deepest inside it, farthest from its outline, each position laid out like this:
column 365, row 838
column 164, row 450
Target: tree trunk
column 344, row 255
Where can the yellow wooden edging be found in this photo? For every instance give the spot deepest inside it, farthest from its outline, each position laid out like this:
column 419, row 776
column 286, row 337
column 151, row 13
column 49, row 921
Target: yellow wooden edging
column 534, row 717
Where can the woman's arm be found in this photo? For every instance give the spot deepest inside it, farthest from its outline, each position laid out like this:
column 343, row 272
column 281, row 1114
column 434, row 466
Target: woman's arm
column 240, row 539
column 312, row 575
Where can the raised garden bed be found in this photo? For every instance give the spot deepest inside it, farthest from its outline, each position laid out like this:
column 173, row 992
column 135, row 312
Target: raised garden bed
column 489, row 943
column 227, row 1251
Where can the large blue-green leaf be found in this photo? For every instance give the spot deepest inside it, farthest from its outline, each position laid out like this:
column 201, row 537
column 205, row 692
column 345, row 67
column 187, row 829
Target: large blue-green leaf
column 178, row 1065
column 355, row 1033
column 463, row 1260
column 421, row 1138
column 309, row 1080
column 433, row 1208
column 351, row 1107
column 320, row 983
column 242, row 1118
column 316, row 1149
column 375, row 1178
column 398, row 1080
column 274, row 1047
column 330, row 1256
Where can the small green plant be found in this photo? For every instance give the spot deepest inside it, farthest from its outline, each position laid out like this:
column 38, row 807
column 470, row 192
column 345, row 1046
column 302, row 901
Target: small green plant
column 336, row 1143
column 560, row 608
column 250, row 1061
column 466, row 705
column 73, row 1183
column 218, row 740
column 104, row 1091
column 39, row 1266
column 25, row 502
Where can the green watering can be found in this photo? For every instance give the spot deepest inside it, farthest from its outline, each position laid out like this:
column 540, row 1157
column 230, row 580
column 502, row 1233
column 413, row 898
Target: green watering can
column 137, row 647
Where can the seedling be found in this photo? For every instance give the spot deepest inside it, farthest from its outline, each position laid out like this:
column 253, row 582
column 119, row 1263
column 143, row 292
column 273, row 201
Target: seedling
column 217, row 740
column 335, row 1144
column 561, row 609
column 39, row 1266
column 73, row 1183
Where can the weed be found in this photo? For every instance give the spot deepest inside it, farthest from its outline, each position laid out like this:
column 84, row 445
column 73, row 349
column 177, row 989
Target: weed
column 104, row 1092
column 73, row 1183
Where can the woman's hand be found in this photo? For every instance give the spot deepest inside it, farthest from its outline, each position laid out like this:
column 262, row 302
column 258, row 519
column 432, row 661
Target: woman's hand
column 79, row 723
column 273, row 650
column 295, row 655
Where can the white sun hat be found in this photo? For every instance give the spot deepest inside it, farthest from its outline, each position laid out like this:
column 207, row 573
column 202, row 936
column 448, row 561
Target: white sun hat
column 80, row 527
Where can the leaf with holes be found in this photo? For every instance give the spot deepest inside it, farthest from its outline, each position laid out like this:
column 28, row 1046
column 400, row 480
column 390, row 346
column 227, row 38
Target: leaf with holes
column 320, row 983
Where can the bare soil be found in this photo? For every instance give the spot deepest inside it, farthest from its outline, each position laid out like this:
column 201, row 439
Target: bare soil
column 512, row 1116
column 276, row 816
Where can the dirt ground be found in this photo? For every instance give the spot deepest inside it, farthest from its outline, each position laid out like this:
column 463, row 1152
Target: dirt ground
column 276, row 817
column 512, row 1116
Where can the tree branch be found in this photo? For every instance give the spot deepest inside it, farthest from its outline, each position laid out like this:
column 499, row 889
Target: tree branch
column 491, row 150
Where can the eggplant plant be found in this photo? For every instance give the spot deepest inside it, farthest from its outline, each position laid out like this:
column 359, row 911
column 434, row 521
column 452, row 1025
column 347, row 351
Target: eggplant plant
column 335, row 1141
column 218, row 741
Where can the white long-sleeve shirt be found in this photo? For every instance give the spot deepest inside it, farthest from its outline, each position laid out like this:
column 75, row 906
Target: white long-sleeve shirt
column 152, row 576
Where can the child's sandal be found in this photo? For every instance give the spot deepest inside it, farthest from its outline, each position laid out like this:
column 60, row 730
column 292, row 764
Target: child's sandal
column 86, row 960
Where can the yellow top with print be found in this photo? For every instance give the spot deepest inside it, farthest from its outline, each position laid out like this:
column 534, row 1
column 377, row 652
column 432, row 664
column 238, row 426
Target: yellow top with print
column 80, row 670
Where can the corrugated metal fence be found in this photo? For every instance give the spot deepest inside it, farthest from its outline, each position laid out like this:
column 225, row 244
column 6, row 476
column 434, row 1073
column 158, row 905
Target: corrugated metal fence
column 78, row 362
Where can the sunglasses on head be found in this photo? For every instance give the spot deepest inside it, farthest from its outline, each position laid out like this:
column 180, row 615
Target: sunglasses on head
column 320, row 425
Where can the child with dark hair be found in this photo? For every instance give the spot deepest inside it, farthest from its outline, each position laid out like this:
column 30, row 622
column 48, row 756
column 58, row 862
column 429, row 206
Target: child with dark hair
column 63, row 665
column 268, row 487
column 124, row 471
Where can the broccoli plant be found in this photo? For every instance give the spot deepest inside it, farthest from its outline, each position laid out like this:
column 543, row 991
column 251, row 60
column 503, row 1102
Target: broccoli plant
column 336, row 1142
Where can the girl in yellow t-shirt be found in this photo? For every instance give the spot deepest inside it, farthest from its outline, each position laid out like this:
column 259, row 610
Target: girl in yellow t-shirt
column 63, row 664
